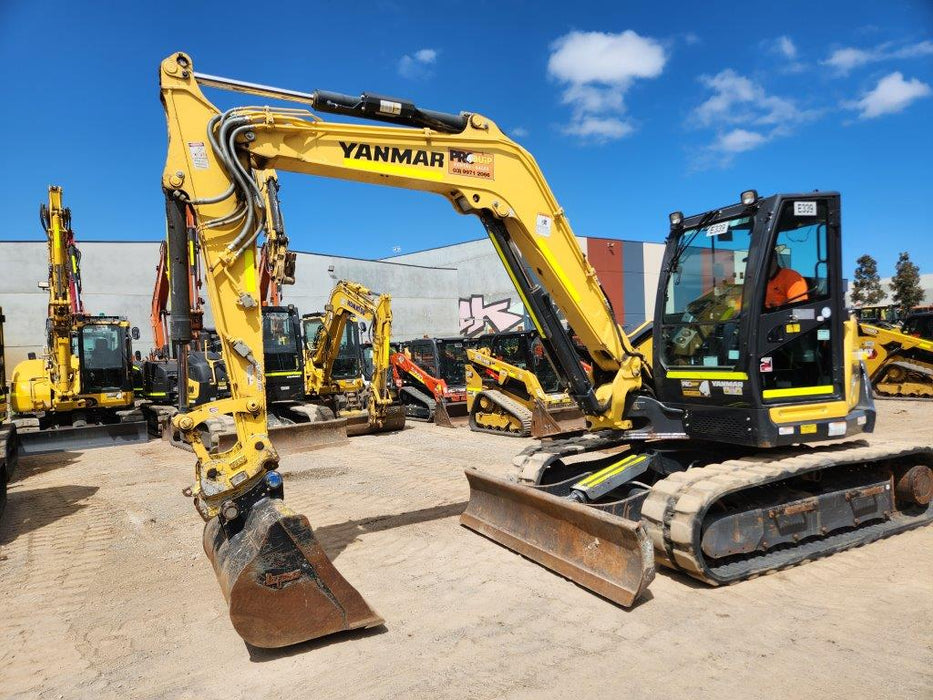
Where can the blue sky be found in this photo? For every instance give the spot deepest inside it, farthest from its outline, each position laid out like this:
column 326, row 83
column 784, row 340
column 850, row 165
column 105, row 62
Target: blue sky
column 631, row 109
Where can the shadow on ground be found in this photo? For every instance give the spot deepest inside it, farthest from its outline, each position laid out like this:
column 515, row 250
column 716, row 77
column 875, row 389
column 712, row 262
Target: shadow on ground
column 29, row 510
column 335, row 538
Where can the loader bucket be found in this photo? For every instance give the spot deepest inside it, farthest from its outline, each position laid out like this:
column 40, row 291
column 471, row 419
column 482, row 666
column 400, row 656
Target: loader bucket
column 358, row 423
column 548, row 422
column 609, row 555
column 281, row 588
column 300, row 437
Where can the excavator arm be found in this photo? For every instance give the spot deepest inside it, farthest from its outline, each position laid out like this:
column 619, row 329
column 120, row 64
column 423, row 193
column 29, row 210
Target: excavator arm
column 211, row 166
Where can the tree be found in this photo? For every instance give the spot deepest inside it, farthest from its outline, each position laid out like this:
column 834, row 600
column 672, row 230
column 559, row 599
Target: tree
column 906, row 285
column 866, row 287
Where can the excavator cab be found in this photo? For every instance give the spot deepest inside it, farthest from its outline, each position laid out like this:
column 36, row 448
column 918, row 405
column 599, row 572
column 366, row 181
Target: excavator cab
column 281, row 336
column 751, row 323
column 105, row 355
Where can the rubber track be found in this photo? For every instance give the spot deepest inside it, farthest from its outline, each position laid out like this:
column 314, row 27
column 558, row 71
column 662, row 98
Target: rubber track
column 427, row 401
column 675, row 508
column 509, row 406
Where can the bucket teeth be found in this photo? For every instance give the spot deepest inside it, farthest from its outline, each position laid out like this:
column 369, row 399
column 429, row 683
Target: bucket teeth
column 280, row 586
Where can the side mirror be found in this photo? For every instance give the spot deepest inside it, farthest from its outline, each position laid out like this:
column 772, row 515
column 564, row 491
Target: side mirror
column 135, row 333
column 362, row 326
column 138, row 355
column 31, row 356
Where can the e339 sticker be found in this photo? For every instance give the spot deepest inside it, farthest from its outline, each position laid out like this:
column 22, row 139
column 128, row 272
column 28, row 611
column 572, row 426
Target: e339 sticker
column 718, row 229
column 804, row 208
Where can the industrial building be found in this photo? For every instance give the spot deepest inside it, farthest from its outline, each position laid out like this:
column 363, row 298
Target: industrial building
column 449, row 290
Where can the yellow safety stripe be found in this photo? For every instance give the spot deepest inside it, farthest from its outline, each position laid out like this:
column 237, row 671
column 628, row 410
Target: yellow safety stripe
column 290, row 373
column 518, row 288
column 249, row 274
column 680, row 374
column 156, row 393
column 799, row 391
column 394, row 169
column 613, row 469
column 558, row 270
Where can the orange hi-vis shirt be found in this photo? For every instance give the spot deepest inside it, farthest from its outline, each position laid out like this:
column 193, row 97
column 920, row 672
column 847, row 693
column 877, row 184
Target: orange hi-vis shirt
column 786, row 286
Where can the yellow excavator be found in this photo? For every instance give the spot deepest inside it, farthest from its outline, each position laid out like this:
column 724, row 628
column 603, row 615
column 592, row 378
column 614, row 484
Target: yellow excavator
column 900, row 361
column 80, row 395
column 330, row 337
column 512, row 388
column 705, row 467
column 8, row 451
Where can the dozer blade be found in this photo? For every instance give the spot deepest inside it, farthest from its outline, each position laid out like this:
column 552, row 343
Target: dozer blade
column 358, row 423
column 281, row 588
column 609, row 555
column 37, row 442
column 299, row 437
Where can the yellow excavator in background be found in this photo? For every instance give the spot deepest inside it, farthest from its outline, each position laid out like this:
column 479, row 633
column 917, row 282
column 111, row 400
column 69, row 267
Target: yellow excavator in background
column 900, row 362
column 701, row 469
column 329, row 337
column 8, row 451
column 81, row 394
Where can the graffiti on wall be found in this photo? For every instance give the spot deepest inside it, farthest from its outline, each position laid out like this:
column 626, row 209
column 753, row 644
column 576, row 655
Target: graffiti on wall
column 476, row 316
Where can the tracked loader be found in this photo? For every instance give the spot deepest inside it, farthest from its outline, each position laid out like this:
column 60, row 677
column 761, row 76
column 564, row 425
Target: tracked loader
column 708, row 468
column 900, row 360
column 430, row 378
column 80, row 395
column 512, row 389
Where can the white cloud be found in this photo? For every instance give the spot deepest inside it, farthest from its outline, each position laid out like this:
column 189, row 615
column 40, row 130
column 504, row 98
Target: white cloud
column 845, row 59
column 743, row 116
column 519, row 132
column 418, row 64
column 599, row 129
column 598, row 69
column 785, row 46
column 892, row 94
column 740, row 100
column 739, row 140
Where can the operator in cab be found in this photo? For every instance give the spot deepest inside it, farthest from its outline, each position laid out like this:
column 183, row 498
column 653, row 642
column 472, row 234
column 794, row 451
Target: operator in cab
column 785, row 286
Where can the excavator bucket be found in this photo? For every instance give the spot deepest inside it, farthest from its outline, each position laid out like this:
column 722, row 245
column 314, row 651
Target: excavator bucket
column 281, row 588
column 548, row 422
column 358, row 424
column 609, row 555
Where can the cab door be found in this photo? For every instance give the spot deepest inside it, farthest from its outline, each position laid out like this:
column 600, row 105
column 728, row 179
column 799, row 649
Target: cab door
column 800, row 332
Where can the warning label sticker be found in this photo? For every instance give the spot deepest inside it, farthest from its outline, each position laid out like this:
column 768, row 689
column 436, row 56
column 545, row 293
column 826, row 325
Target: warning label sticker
column 471, row 164
column 198, row 154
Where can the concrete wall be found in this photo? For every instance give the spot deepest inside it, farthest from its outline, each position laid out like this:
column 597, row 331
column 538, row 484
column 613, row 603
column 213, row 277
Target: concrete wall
column 488, row 300
column 118, row 279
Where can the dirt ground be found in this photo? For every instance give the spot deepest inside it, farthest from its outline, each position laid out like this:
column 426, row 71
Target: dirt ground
column 105, row 591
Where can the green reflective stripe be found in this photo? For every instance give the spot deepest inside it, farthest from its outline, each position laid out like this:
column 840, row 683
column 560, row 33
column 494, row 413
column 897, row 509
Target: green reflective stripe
column 799, row 391
column 680, row 374
column 518, row 287
column 613, row 469
column 156, row 393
